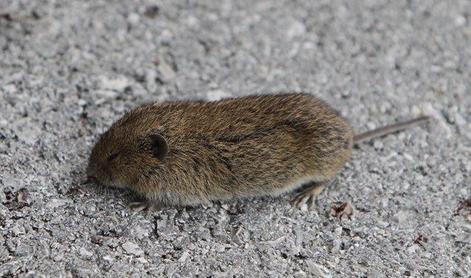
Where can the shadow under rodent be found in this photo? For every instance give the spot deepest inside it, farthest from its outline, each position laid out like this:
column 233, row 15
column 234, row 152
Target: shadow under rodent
column 187, row 153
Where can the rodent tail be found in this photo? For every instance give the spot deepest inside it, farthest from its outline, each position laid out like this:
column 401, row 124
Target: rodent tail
column 382, row 131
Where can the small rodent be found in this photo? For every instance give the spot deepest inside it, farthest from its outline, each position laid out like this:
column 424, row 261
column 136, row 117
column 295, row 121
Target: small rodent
column 193, row 152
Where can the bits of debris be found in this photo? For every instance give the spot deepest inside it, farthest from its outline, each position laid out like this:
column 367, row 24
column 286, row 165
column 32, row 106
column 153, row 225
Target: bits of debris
column 6, row 16
column 152, row 11
column 464, row 208
column 23, row 197
column 342, row 210
column 96, row 239
column 420, row 239
column 76, row 190
column 17, row 200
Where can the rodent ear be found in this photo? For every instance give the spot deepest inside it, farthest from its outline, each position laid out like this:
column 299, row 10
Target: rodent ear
column 159, row 146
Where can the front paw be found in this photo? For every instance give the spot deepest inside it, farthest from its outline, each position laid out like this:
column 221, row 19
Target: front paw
column 144, row 206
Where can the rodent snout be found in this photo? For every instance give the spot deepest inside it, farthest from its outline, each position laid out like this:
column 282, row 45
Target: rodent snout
column 101, row 177
column 91, row 175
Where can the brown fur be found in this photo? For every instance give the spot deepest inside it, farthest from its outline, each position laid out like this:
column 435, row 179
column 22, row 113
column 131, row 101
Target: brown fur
column 240, row 147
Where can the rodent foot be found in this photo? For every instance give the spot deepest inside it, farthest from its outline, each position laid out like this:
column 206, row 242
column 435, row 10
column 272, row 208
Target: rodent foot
column 144, row 205
column 308, row 195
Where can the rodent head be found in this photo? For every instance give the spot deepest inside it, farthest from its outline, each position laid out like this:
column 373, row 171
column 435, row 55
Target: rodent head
column 126, row 154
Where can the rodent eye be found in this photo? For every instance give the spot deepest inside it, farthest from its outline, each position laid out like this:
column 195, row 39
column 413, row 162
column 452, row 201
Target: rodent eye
column 113, row 156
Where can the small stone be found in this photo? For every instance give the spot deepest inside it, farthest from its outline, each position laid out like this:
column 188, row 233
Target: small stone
column 132, row 249
column 459, row 120
column 336, row 245
column 192, row 21
column 142, row 260
column 370, row 126
column 166, row 36
column 3, row 197
column 3, row 253
column 150, row 79
column 184, row 256
column 374, row 273
column 108, row 258
column 385, row 202
column 58, row 258
column 378, row 145
column 438, row 117
column 460, row 20
column 408, row 156
column 166, row 228
column 141, row 232
column 413, row 249
column 55, row 203
column 23, row 249
column 401, row 216
column 133, row 18
column 82, row 102
column 18, row 230
column 318, row 270
column 215, row 95
column 295, row 29
column 106, row 93
column 10, row 89
column 241, row 236
column 152, row 11
column 166, row 70
column 225, row 207
column 85, row 253
column 111, row 242
column 118, row 83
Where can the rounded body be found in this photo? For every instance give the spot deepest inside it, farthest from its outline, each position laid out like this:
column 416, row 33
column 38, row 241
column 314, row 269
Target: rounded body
column 240, row 147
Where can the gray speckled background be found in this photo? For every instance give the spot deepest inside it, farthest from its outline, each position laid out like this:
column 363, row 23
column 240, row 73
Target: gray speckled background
column 68, row 69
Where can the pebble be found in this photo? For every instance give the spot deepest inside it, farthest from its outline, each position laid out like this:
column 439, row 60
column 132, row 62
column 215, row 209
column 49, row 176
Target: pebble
column 401, row 216
column 132, row 249
column 133, row 18
column 318, row 270
column 55, row 203
column 118, row 83
column 18, row 229
column 82, row 102
column 85, row 253
column 141, row 232
column 166, row 70
column 215, row 95
column 108, row 258
column 107, row 94
column 295, row 29
column 460, row 20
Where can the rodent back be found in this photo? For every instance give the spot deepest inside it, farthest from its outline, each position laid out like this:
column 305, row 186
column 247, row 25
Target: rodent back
column 303, row 125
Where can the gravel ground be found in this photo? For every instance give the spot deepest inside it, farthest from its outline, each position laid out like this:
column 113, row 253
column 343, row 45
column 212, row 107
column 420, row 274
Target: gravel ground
column 68, row 69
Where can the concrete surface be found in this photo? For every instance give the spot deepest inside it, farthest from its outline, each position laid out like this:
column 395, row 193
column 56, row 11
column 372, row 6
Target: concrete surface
column 68, row 69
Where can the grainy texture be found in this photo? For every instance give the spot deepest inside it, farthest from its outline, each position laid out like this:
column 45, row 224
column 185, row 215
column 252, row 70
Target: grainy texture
column 68, row 69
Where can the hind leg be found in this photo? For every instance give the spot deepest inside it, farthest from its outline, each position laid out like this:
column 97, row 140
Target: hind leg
column 309, row 193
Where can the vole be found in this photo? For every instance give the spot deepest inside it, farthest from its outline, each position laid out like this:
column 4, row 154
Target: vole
column 186, row 153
